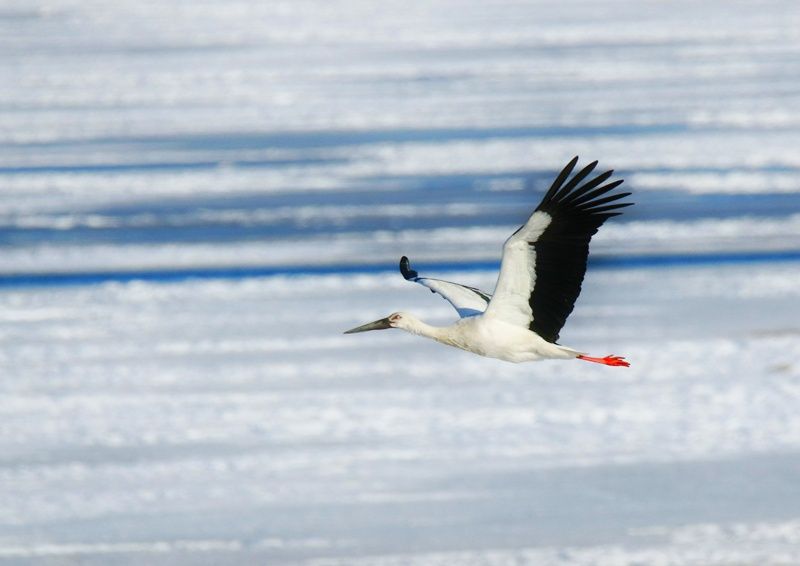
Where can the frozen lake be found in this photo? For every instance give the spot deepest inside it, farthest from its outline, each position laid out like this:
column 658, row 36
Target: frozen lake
column 163, row 404
column 218, row 422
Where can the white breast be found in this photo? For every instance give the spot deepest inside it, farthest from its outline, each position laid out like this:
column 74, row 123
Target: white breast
column 494, row 338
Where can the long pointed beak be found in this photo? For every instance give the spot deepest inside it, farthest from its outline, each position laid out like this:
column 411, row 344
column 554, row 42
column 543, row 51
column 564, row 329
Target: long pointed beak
column 381, row 324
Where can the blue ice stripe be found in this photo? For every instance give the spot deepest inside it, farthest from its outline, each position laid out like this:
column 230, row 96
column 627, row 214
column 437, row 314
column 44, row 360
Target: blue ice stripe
column 172, row 275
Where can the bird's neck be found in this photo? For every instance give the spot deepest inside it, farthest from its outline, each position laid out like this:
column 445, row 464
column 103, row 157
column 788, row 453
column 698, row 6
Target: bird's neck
column 420, row 328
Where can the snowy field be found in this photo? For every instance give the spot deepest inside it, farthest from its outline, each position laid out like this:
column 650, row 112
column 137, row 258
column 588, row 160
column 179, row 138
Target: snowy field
column 162, row 407
column 231, row 422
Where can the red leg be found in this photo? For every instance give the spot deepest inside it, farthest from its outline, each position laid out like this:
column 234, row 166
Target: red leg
column 608, row 360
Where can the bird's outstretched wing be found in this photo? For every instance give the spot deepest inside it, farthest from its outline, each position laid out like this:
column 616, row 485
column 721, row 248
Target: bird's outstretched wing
column 468, row 301
column 545, row 260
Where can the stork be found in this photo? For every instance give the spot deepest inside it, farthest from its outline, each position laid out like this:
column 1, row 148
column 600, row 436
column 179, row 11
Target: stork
column 541, row 272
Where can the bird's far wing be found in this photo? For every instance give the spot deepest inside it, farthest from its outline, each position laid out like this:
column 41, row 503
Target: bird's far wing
column 468, row 301
column 545, row 260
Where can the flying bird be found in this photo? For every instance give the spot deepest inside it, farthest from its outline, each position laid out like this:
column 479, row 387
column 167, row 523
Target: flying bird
column 541, row 272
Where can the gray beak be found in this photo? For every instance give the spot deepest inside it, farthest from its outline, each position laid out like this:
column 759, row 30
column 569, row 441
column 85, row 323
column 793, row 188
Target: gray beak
column 381, row 324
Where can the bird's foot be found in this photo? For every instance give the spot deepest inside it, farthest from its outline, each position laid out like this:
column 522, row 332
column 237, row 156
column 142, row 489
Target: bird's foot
column 608, row 360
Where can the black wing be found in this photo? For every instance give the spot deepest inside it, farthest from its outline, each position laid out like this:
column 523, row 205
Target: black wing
column 544, row 262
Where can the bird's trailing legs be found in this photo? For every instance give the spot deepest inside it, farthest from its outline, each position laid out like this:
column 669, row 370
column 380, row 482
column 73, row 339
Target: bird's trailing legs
column 608, row 360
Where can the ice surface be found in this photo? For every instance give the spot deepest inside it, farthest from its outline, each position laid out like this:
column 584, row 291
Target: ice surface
column 229, row 420
column 173, row 127
column 232, row 421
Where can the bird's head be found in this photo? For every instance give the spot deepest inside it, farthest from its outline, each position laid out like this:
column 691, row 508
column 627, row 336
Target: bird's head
column 395, row 320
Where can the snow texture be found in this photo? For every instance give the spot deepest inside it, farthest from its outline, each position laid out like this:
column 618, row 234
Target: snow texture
column 229, row 421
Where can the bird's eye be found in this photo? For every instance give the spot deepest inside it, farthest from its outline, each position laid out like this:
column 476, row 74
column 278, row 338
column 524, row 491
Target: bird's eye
column 395, row 317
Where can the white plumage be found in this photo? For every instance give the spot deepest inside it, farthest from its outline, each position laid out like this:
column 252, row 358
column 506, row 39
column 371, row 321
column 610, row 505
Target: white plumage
column 542, row 269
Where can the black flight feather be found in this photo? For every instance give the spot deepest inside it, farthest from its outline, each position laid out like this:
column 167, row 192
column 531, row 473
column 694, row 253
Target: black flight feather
column 576, row 213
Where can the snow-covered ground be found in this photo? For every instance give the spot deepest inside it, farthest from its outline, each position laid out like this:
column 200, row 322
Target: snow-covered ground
column 144, row 135
column 232, row 422
column 228, row 420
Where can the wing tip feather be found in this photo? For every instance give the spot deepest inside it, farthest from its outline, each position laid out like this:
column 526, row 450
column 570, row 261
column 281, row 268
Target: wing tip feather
column 559, row 180
column 405, row 269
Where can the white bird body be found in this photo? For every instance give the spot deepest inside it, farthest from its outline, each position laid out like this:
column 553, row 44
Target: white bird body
column 540, row 278
column 487, row 336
